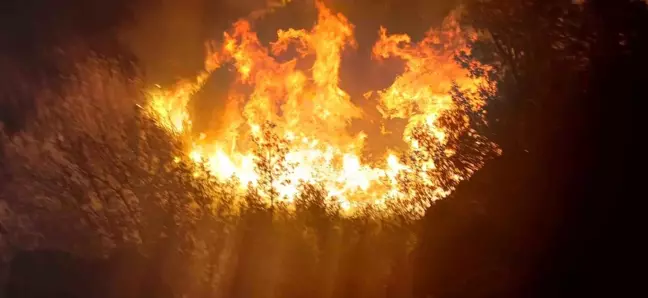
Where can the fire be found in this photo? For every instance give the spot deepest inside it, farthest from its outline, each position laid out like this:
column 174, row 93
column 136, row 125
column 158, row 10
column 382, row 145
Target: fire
column 294, row 123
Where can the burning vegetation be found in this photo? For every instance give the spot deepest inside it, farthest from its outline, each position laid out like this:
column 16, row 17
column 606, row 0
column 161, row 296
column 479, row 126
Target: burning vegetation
column 312, row 179
column 286, row 125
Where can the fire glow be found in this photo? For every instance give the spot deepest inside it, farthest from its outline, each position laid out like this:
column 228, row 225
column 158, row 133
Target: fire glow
column 310, row 114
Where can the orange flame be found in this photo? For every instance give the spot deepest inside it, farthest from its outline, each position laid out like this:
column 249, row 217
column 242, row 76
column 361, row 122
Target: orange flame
column 312, row 113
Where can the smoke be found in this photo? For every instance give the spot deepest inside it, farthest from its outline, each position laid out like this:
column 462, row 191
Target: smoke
column 168, row 36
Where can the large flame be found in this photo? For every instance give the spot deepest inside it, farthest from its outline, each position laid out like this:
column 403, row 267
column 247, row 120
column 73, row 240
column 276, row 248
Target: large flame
column 311, row 114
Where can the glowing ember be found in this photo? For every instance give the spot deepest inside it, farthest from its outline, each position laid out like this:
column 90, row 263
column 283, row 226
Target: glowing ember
column 310, row 114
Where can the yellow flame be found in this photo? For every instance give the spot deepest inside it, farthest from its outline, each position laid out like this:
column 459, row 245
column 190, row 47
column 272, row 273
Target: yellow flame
column 312, row 113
